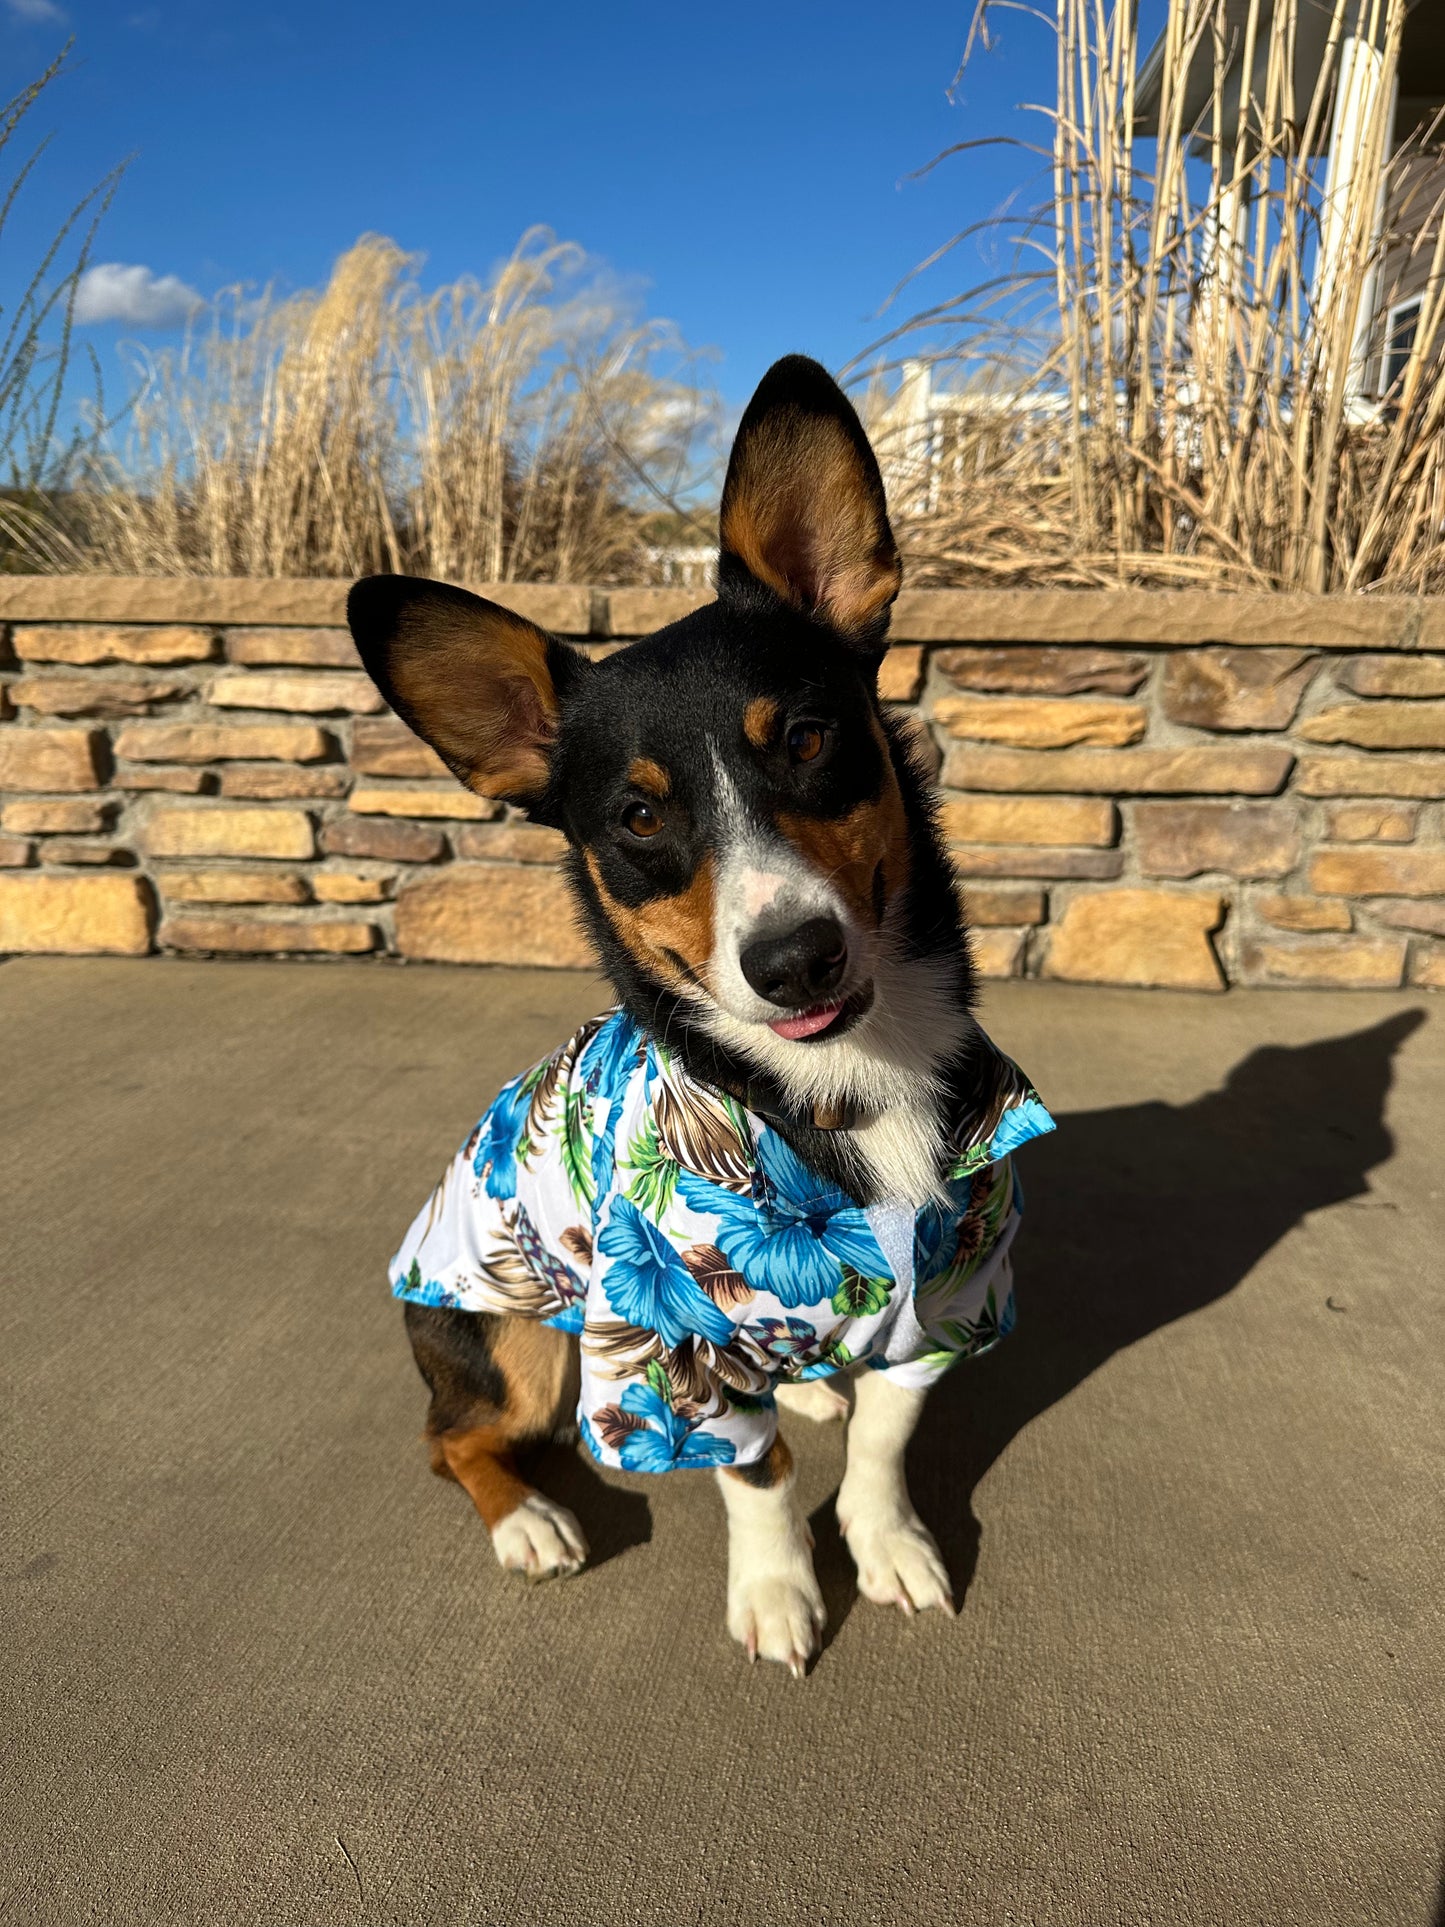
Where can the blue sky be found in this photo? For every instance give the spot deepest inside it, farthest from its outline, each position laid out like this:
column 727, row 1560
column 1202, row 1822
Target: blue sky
column 743, row 168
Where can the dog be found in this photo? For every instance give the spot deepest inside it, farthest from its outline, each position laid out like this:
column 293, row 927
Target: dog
column 779, row 1170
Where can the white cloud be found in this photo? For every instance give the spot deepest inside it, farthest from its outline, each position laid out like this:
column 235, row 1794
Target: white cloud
column 43, row 13
column 134, row 295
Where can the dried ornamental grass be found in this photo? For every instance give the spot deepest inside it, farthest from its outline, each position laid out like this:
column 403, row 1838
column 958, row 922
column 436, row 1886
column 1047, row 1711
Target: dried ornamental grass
column 509, row 431
column 1161, row 388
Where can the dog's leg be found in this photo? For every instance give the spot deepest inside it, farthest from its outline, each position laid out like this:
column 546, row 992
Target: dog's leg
column 774, row 1605
column 898, row 1563
column 823, row 1400
column 498, row 1384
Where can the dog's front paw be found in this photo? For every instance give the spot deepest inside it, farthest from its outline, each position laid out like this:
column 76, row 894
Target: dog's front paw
column 779, row 1615
column 898, row 1562
column 540, row 1540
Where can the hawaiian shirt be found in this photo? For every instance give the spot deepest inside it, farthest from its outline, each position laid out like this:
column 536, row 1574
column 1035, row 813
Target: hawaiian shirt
column 608, row 1193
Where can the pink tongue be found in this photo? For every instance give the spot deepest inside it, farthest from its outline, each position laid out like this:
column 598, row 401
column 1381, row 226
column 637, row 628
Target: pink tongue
column 808, row 1025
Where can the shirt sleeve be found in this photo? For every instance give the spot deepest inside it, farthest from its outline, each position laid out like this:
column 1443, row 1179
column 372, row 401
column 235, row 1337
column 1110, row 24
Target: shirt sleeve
column 509, row 1228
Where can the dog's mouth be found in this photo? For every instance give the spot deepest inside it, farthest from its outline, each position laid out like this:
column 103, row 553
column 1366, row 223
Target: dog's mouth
column 824, row 1021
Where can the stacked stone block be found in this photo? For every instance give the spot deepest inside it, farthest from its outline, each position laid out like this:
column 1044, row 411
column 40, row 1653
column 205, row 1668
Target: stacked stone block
column 1176, row 789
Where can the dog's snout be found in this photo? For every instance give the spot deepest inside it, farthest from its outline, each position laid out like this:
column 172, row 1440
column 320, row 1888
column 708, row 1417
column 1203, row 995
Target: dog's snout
column 799, row 968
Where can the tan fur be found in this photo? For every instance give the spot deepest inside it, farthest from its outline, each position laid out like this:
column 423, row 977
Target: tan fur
column 644, row 774
column 760, row 721
column 848, row 849
column 539, row 1368
column 665, row 928
column 801, row 516
column 775, row 1469
column 479, row 689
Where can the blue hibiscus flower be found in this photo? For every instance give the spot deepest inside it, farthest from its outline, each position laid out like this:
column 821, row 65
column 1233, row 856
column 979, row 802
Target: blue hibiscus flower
column 648, row 1284
column 607, row 1067
column 611, row 1057
column 666, row 1440
column 495, row 1158
column 663, row 1441
column 797, row 1245
column 1017, row 1125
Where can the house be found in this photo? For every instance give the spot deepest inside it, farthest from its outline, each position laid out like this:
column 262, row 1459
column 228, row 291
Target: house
column 1375, row 89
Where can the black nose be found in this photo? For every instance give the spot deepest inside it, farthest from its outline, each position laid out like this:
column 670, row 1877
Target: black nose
column 800, row 968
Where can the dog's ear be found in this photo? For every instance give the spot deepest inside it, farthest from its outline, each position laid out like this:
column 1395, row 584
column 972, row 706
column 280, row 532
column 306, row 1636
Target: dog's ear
column 803, row 509
column 479, row 683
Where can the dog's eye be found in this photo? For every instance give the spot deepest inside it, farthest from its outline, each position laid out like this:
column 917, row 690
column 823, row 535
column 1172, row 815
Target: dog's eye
column 805, row 742
column 641, row 819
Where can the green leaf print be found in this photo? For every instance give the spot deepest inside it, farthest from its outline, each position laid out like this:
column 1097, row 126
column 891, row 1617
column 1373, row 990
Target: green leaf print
column 655, row 1173
column 860, row 1297
column 576, row 1145
column 413, row 1277
column 657, row 1378
column 833, row 1353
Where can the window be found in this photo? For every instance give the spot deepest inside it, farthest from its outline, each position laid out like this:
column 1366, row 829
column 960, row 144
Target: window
column 1400, row 324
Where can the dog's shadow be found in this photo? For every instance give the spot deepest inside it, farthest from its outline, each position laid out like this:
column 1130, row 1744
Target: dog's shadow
column 1137, row 1216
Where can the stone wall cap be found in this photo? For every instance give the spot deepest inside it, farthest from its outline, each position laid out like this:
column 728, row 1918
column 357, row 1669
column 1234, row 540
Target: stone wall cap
column 1105, row 618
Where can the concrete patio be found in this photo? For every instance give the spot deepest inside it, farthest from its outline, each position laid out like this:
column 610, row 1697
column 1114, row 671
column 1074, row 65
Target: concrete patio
column 259, row 1666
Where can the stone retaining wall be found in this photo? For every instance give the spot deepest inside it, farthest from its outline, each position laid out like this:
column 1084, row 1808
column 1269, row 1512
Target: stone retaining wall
column 1182, row 789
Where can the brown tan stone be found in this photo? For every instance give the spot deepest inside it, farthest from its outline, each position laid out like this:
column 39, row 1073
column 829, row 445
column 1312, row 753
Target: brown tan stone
column 1394, row 675
column 6, row 708
column 1027, row 671
column 220, row 831
column 265, row 784
column 384, row 839
column 243, row 602
column 1371, row 822
column 1152, row 937
column 224, row 742
column 388, row 748
column 637, row 612
column 232, row 886
column 51, row 759
column 80, row 850
column 1380, row 725
column 997, row 953
column 1305, row 913
column 180, row 782
column 1428, row 969
column 1378, row 873
column 1416, row 776
column 15, row 852
column 1033, row 860
column 60, row 816
column 453, row 803
column 1342, row 963
column 1170, row 618
column 989, row 904
column 1038, row 722
column 268, row 935
column 491, row 914
column 1236, row 688
column 92, row 643
column 509, row 843
column 1429, row 918
column 900, row 675
column 1030, row 819
column 1253, row 770
column 299, row 648
column 95, row 695
column 75, row 915
column 311, row 695
column 1239, row 839
column 350, row 886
